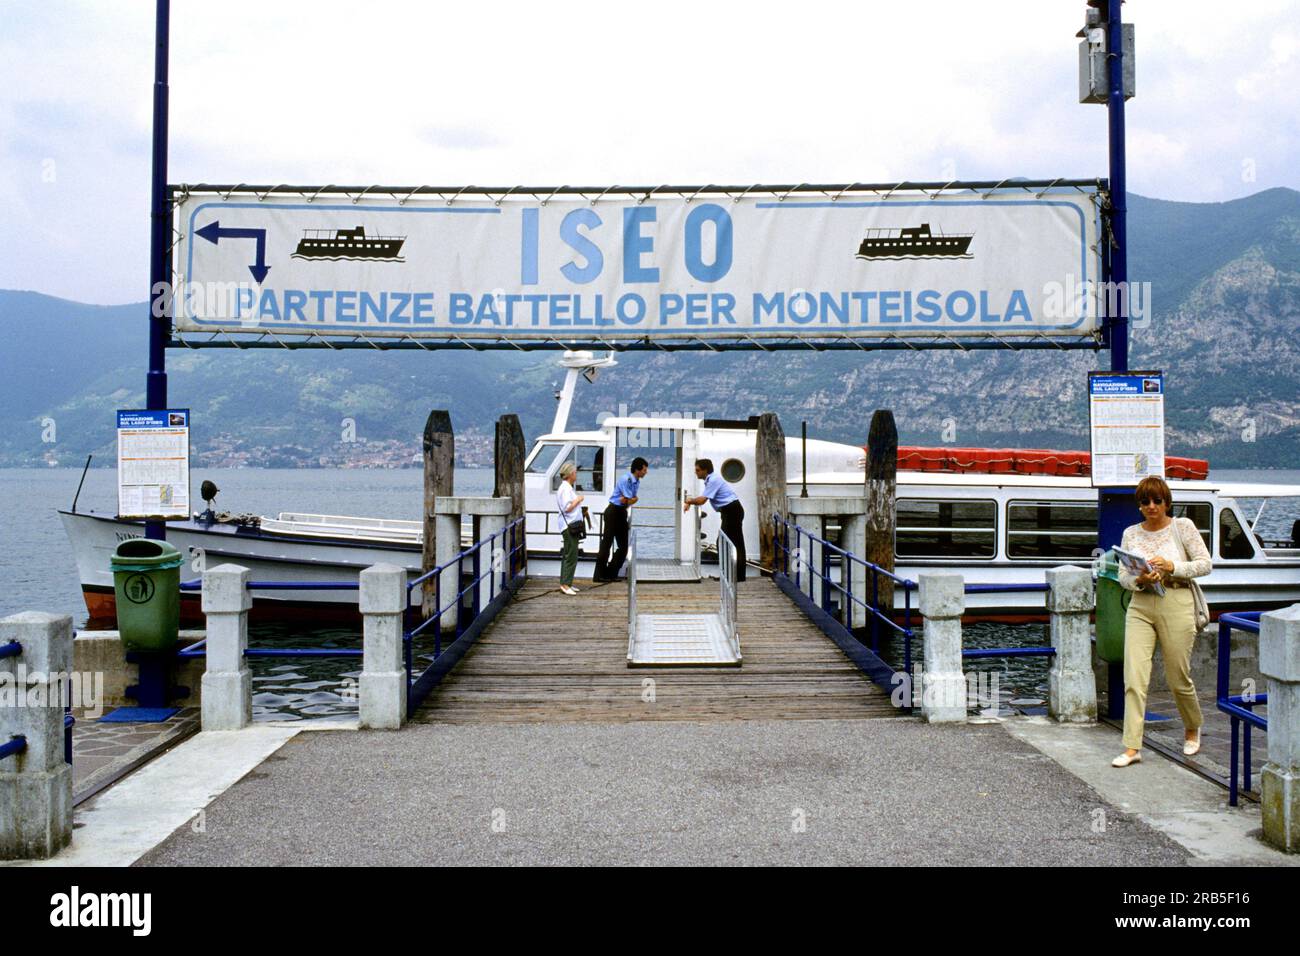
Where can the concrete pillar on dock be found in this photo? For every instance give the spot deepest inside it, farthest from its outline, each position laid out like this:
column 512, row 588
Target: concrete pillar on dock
column 806, row 553
column 881, row 493
column 383, row 675
column 447, row 516
column 36, row 783
column 769, row 467
column 812, row 514
column 1279, row 662
column 1072, row 686
column 488, row 516
column 853, row 539
column 227, row 702
column 509, row 477
column 492, row 514
column 439, row 481
column 942, row 600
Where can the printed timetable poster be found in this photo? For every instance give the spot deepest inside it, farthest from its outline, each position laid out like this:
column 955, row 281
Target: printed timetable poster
column 153, row 463
column 1127, row 413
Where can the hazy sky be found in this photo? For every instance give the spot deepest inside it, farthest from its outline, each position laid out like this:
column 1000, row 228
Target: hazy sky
column 493, row 93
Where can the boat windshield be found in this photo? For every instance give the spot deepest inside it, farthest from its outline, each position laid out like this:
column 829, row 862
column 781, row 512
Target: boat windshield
column 543, row 457
column 1276, row 520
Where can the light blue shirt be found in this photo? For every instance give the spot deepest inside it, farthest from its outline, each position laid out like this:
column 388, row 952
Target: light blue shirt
column 627, row 487
column 718, row 491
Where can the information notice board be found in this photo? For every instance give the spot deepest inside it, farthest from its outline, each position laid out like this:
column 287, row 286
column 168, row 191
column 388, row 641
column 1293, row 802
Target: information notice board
column 1127, row 415
column 153, row 463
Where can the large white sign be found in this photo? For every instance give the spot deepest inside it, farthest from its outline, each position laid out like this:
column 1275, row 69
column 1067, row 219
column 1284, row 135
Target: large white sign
column 1127, row 412
column 1003, row 263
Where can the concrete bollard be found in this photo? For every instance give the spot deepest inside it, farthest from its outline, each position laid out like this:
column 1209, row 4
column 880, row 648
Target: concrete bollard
column 1072, row 687
column 36, row 784
column 942, row 599
column 383, row 675
column 1279, row 662
column 227, row 684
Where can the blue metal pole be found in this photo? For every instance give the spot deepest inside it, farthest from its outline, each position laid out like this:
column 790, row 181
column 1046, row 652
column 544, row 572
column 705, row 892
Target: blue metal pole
column 1115, row 508
column 160, row 227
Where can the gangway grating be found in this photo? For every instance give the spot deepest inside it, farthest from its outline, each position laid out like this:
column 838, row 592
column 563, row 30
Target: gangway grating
column 667, row 571
column 685, row 640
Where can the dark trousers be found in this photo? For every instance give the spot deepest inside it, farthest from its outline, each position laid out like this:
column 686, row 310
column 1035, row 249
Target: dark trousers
column 614, row 528
column 733, row 524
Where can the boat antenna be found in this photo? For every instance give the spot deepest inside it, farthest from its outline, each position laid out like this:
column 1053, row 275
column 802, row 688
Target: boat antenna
column 803, row 446
column 80, row 483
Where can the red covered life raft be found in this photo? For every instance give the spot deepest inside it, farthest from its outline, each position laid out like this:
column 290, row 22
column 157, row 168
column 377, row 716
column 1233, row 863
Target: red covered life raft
column 1025, row 461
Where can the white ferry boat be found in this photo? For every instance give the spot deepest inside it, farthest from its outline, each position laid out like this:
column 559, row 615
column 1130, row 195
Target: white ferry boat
column 989, row 522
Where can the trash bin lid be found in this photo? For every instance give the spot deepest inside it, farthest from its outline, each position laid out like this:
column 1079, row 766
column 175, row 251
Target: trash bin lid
column 145, row 554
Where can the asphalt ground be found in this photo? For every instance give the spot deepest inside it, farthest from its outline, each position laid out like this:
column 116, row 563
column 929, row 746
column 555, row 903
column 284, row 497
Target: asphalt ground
column 830, row 792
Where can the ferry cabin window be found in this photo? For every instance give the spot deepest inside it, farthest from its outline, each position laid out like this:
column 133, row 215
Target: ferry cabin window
column 590, row 460
column 930, row 528
column 1051, row 529
column 543, row 458
column 1233, row 542
column 1202, row 515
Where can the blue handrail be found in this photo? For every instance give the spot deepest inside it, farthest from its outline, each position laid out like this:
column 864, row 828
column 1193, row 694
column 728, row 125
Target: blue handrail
column 14, row 745
column 876, row 614
column 1238, row 707
column 514, row 559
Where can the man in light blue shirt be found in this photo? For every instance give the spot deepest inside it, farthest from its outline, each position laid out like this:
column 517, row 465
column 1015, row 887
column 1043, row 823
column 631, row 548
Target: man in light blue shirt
column 727, row 504
column 615, row 526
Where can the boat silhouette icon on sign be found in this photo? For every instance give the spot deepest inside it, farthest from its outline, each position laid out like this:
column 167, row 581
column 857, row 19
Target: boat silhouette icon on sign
column 914, row 242
column 353, row 244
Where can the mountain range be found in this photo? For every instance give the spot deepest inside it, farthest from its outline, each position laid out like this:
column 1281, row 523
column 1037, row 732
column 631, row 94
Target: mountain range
column 1224, row 325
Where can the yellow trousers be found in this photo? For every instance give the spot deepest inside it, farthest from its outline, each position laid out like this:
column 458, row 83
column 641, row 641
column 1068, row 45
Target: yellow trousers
column 1170, row 621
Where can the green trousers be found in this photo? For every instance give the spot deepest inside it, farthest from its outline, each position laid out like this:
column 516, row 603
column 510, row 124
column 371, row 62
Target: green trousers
column 569, row 558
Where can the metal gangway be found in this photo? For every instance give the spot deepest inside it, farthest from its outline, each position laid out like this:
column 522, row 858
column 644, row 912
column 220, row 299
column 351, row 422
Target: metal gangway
column 685, row 640
column 683, row 569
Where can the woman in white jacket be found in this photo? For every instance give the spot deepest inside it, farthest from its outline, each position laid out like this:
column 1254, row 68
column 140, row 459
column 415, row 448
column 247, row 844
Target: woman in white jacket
column 1176, row 552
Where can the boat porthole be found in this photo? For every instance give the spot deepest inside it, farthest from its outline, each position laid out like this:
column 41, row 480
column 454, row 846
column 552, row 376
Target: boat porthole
column 733, row 469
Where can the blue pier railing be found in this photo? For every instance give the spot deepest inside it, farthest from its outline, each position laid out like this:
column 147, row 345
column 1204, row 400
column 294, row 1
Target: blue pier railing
column 1009, row 588
column 502, row 551
column 1238, row 707
column 510, row 559
column 791, row 577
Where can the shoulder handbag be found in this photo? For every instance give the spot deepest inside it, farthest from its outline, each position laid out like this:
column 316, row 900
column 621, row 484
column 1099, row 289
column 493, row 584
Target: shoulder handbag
column 576, row 527
column 1200, row 609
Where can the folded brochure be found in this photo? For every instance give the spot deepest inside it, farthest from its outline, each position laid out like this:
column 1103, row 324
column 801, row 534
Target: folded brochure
column 1135, row 564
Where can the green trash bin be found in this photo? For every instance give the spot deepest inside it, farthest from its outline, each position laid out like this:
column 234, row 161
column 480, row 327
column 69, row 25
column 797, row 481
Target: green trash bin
column 1112, row 606
column 147, row 583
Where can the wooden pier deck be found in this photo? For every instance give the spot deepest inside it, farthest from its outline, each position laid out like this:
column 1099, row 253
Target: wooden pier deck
column 548, row 657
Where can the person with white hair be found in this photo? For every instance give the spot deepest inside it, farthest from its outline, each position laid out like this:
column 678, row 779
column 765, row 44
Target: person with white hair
column 567, row 502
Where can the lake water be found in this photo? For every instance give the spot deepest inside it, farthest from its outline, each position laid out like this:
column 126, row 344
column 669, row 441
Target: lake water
column 37, row 571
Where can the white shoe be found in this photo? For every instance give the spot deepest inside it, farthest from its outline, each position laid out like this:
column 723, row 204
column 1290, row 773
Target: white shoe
column 568, row 590
column 1192, row 747
column 1123, row 760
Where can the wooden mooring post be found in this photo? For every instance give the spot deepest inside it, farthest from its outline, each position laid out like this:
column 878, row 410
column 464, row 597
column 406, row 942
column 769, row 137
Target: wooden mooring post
column 881, row 491
column 769, row 464
column 508, row 460
column 439, row 474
